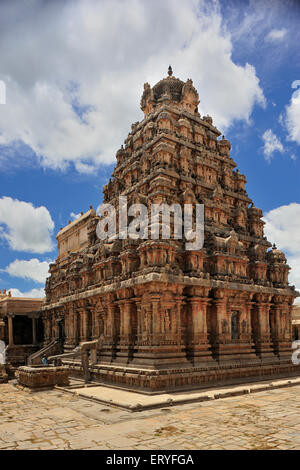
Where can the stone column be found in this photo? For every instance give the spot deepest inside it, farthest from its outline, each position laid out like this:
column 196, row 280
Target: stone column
column 10, row 317
column 69, row 343
column 74, row 327
column 34, row 338
column 245, row 346
column 46, row 324
column 261, row 328
column 199, row 348
column 83, row 329
column 143, row 354
column 94, row 323
column 2, row 330
column 112, row 332
column 280, row 315
column 84, row 323
column 220, row 330
column 127, row 330
column 159, row 338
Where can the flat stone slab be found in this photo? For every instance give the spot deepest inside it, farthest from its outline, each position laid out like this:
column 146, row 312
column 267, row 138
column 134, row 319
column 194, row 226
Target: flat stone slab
column 133, row 401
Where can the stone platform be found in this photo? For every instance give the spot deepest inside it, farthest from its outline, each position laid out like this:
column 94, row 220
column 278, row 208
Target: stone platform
column 151, row 381
column 40, row 378
column 132, row 401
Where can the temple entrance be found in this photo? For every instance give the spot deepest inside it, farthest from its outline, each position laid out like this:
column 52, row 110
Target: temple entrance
column 22, row 330
column 61, row 330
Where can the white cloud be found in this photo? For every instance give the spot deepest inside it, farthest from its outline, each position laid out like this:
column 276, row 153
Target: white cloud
column 33, row 269
column 25, row 227
column 74, row 85
column 276, row 35
column 75, row 216
column 85, row 169
column 283, row 228
column 291, row 119
column 33, row 293
column 271, row 144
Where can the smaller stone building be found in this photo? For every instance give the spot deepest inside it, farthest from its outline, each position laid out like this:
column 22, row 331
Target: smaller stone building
column 21, row 327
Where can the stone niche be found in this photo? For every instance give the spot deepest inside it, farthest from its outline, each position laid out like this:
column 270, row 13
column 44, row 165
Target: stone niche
column 40, row 378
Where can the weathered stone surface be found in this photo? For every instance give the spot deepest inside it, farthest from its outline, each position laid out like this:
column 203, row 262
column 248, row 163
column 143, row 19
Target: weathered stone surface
column 55, row 420
column 37, row 378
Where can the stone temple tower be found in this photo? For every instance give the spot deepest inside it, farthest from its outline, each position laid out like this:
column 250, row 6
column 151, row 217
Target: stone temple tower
column 169, row 317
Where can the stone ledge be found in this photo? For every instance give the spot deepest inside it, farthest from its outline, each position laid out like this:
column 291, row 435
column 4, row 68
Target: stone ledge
column 155, row 382
column 166, row 278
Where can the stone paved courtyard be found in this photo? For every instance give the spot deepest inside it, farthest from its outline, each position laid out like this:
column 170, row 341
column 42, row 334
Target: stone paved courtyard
column 57, row 420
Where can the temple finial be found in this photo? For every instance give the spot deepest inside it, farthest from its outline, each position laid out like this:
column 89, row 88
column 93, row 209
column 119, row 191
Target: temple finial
column 170, row 71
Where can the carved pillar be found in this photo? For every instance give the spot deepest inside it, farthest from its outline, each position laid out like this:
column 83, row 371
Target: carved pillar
column 55, row 326
column 2, row 330
column 112, row 330
column 280, row 325
column 221, row 335
column 34, row 338
column 10, row 317
column 245, row 346
column 83, row 324
column 69, row 316
column 159, row 329
column 199, row 349
column 94, row 322
column 128, row 330
column 220, row 330
column 260, row 319
column 46, row 325
column 76, row 326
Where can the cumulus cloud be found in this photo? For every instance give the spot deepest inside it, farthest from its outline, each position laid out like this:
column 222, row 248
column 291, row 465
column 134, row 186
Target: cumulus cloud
column 33, row 269
column 291, row 119
column 283, row 228
column 73, row 88
column 25, row 227
column 271, row 144
column 33, row 293
column 276, row 35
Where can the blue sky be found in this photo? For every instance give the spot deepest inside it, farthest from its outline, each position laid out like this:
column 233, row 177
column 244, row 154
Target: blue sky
column 74, row 76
